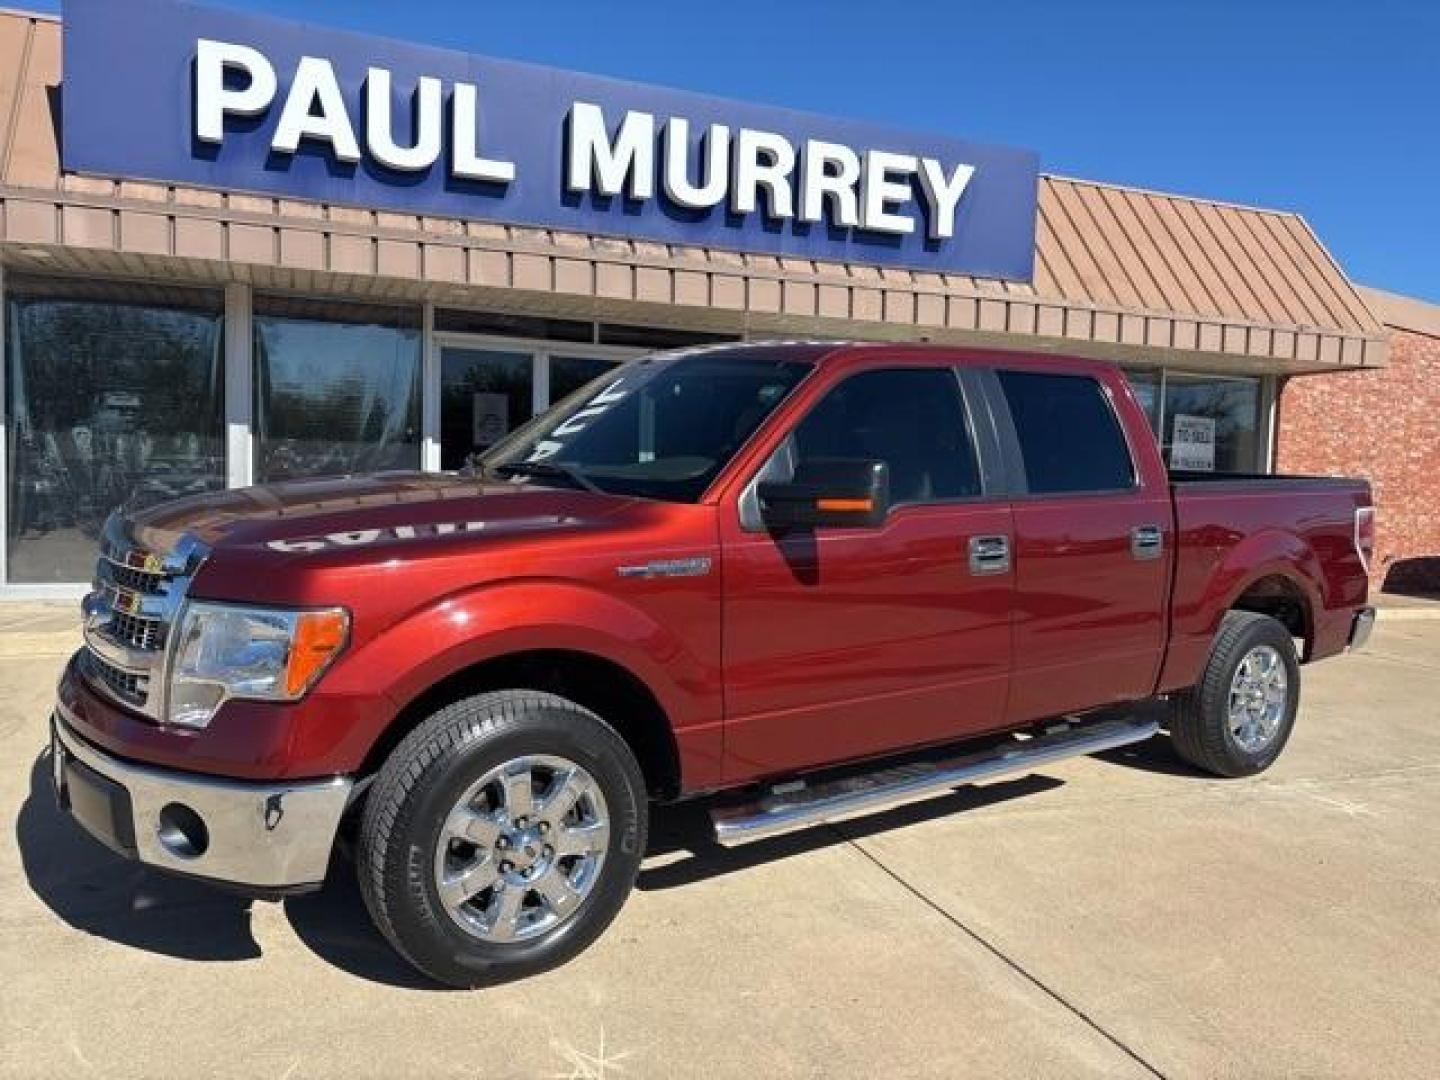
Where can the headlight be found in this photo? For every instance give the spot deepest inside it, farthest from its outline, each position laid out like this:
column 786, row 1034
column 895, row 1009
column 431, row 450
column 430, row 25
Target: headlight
column 226, row 651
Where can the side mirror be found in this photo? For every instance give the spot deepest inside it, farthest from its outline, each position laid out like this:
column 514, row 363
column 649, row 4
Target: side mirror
column 828, row 493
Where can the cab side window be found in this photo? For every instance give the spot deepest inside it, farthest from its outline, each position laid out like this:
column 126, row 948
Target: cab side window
column 913, row 419
column 1070, row 437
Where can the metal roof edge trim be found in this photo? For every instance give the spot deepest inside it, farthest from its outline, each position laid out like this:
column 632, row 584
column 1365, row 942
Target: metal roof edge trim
column 1182, row 196
column 838, row 276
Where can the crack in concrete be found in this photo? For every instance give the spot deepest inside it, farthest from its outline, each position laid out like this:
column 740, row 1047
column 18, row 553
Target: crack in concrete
column 999, row 954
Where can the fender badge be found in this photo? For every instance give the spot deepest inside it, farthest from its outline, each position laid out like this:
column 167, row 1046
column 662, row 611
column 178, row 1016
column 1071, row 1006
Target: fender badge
column 694, row 567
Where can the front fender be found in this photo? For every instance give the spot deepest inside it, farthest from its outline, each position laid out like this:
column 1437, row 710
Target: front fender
column 491, row 621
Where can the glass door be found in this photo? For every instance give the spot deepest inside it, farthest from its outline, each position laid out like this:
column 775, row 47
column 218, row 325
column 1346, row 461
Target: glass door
column 484, row 395
column 490, row 386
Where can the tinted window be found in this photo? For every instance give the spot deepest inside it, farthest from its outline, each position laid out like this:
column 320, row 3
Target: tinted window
column 516, row 326
column 570, row 373
column 656, row 337
column 913, row 420
column 659, row 427
column 1069, row 436
column 484, row 395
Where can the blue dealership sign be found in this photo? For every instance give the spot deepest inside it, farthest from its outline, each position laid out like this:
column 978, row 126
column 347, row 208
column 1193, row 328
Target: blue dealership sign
column 181, row 93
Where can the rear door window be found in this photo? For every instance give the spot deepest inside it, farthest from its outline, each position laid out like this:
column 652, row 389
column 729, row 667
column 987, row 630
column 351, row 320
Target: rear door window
column 1070, row 438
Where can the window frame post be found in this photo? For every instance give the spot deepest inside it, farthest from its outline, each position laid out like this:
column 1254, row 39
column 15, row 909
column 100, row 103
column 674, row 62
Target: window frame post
column 429, row 391
column 239, row 385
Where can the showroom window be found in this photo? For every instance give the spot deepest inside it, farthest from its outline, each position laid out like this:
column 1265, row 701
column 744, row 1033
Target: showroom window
column 337, row 388
column 1205, row 423
column 113, row 396
column 1212, row 423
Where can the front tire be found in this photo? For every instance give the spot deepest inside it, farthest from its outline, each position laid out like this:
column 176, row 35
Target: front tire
column 501, row 837
column 1237, row 719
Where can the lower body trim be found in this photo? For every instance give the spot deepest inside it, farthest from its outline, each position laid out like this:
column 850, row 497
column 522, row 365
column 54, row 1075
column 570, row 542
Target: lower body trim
column 791, row 807
column 259, row 836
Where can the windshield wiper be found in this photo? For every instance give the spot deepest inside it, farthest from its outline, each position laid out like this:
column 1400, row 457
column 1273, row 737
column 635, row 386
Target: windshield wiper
column 550, row 470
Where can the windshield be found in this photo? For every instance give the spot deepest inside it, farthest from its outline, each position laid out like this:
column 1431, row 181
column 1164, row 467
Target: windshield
column 660, row 427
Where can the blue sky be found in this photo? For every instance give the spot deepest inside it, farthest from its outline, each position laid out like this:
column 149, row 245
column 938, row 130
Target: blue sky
column 1328, row 108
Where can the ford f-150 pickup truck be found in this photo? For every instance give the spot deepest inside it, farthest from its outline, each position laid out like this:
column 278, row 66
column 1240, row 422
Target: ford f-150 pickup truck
column 803, row 580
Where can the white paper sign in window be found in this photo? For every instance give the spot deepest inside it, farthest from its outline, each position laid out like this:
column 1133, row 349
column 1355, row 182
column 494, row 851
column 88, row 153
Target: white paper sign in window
column 1192, row 444
column 491, row 419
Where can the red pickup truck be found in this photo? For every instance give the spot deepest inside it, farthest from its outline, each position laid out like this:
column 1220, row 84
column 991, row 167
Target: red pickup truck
column 804, row 580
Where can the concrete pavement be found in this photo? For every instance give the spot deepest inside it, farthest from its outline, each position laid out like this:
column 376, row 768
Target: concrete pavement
column 1118, row 917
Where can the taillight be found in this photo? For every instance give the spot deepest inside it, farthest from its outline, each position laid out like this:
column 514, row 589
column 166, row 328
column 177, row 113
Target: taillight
column 1365, row 534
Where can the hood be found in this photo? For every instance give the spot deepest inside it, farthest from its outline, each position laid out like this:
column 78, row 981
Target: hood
column 360, row 515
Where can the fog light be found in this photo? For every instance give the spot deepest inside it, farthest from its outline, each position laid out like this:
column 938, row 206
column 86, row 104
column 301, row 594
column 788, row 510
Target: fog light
column 182, row 831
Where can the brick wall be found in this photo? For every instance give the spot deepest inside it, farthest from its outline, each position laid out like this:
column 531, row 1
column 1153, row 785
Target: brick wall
column 1383, row 425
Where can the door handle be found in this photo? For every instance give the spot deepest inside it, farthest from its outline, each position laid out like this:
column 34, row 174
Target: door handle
column 1147, row 541
column 989, row 555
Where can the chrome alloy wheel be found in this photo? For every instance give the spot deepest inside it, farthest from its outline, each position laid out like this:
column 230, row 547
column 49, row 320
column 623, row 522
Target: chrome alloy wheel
column 1259, row 694
column 522, row 848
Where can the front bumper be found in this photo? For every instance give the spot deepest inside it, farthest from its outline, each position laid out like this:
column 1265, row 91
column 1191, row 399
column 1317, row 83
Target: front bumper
column 265, row 837
column 1361, row 627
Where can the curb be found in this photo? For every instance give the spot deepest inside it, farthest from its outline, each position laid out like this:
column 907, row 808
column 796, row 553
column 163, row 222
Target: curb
column 1400, row 614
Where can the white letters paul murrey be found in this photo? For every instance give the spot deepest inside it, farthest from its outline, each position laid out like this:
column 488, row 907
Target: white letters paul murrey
column 213, row 100
column 315, row 86
column 746, row 170
column 715, row 151
column 315, row 109
column 429, row 120
column 829, row 171
column 749, row 168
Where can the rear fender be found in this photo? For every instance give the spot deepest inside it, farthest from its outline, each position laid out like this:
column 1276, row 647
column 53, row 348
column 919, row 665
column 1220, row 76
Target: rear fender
column 1272, row 553
column 1268, row 553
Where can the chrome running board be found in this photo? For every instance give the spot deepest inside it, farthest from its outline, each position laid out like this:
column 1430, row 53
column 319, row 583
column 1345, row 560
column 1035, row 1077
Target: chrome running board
column 797, row 804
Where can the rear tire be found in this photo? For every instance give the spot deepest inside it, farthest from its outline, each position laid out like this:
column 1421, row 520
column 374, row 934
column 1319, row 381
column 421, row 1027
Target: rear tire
column 501, row 837
column 1237, row 719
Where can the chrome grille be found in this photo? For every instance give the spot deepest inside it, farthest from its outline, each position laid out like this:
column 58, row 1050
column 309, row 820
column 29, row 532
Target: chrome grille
column 137, row 596
column 129, row 687
column 135, row 579
column 136, row 633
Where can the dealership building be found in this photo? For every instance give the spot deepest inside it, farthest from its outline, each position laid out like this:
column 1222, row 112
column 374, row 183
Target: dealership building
column 236, row 250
